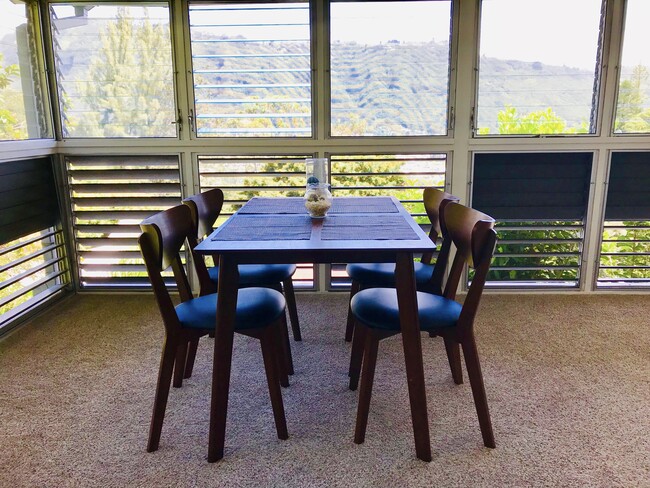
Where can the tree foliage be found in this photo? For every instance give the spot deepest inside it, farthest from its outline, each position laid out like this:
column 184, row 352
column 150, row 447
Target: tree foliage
column 12, row 125
column 131, row 89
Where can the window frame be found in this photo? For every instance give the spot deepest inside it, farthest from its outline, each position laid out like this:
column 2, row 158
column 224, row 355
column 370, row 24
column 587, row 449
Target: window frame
column 598, row 95
column 55, row 99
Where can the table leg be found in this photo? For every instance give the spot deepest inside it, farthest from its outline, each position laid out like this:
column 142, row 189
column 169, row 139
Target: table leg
column 408, row 316
column 223, row 340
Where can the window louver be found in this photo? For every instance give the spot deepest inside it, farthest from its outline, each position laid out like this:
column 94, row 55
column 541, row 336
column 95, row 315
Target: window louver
column 110, row 197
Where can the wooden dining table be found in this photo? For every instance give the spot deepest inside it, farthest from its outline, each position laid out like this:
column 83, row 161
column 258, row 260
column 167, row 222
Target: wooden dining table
column 279, row 230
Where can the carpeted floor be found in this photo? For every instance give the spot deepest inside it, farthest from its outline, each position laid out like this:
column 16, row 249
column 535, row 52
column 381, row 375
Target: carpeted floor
column 568, row 380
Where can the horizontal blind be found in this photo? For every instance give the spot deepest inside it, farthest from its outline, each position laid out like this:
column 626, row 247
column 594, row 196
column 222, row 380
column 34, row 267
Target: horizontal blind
column 111, row 195
column 628, row 193
column 540, row 203
column 532, row 186
column 28, row 200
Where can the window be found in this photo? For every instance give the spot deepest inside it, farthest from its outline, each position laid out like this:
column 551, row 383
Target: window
column 33, row 270
column 244, row 177
column 403, row 176
column 389, row 64
column 33, row 265
column 114, row 70
column 625, row 245
column 252, row 69
column 539, row 67
column 22, row 100
column 110, row 197
column 633, row 105
column 539, row 201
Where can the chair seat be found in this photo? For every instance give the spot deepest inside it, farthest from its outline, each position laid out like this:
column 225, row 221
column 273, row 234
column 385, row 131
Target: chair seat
column 383, row 274
column 377, row 308
column 256, row 307
column 258, row 274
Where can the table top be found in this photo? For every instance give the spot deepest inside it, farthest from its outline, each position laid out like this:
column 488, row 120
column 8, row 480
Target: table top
column 267, row 230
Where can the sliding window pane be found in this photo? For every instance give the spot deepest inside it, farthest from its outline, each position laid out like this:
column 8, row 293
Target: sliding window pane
column 114, row 69
column 22, row 108
column 390, row 68
column 633, row 108
column 252, row 69
column 539, row 67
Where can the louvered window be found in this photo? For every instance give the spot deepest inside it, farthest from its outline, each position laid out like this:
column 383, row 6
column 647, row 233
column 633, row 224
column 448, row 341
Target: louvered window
column 110, row 197
column 244, row 177
column 403, row 176
column 540, row 203
column 252, row 68
column 33, row 265
column 33, row 270
column 625, row 247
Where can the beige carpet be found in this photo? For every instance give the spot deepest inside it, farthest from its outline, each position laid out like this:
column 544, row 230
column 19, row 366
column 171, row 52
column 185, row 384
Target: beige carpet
column 568, row 380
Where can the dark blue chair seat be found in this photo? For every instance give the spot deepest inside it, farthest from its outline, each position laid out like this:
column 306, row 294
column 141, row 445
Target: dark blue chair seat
column 377, row 308
column 383, row 274
column 256, row 307
column 258, row 274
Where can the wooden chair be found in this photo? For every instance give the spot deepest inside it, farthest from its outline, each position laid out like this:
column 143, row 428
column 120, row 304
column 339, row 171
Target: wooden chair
column 428, row 275
column 377, row 316
column 259, row 314
column 205, row 208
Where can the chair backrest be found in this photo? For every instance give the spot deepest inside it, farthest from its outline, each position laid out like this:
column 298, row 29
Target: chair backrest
column 473, row 235
column 204, row 208
column 162, row 238
column 435, row 202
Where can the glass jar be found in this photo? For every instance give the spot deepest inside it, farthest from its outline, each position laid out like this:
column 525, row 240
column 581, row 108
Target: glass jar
column 318, row 200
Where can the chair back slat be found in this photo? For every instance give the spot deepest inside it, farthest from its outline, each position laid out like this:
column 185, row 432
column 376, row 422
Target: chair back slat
column 468, row 229
column 435, row 202
column 151, row 259
column 163, row 236
column 474, row 237
column 168, row 231
column 205, row 208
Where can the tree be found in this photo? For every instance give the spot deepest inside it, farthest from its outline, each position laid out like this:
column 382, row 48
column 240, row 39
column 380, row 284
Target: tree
column 12, row 126
column 539, row 122
column 631, row 116
column 131, row 93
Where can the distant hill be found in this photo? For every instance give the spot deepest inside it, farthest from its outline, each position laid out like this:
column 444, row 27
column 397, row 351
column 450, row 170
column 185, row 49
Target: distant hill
column 398, row 89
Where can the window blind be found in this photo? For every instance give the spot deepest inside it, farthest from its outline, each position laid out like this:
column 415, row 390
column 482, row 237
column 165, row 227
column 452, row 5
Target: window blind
column 28, row 199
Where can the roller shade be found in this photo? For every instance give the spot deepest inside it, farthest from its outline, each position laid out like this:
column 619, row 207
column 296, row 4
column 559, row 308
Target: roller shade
column 628, row 196
column 532, row 186
column 28, row 201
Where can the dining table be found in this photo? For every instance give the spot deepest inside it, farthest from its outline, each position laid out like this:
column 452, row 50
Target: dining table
column 279, row 230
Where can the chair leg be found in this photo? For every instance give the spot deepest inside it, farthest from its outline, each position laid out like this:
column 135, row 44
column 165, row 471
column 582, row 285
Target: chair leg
column 191, row 357
column 290, row 297
column 280, row 359
column 470, row 353
column 162, row 393
column 286, row 344
column 453, row 355
column 367, row 378
column 270, row 354
column 356, row 355
column 349, row 327
column 179, row 364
